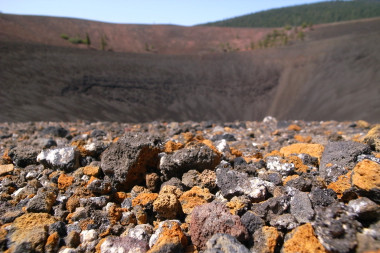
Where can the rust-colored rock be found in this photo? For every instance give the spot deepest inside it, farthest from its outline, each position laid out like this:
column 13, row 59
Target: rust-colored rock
column 266, row 239
column 341, row 185
column 300, row 167
column 366, row 176
column 52, row 243
column 172, row 190
column 152, row 181
column 194, row 197
column 73, row 201
column 167, row 206
column 144, row 199
column 303, row 240
column 315, row 150
column 64, row 181
column 32, row 229
column 91, row 171
column 294, row 127
column 303, row 139
column 6, row 169
column 172, row 146
column 170, row 235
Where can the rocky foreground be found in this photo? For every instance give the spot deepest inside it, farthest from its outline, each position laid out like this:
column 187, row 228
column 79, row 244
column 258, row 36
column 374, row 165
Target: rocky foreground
column 287, row 186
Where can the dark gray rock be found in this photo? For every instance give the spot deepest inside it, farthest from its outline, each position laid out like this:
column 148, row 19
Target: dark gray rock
column 59, row 227
column 301, row 208
column 99, row 186
column 174, row 181
column 308, row 159
column 342, row 153
column 233, row 183
column 96, row 133
column 284, row 222
column 227, row 137
column 196, row 157
column 252, row 222
column 332, row 173
column 23, row 156
column 127, row 161
column 224, row 243
column 42, row 202
column 65, row 158
column 336, row 227
column 55, row 131
column 272, row 177
column 322, row 197
column 209, row 219
column 366, row 209
column 301, row 183
column 272, row 207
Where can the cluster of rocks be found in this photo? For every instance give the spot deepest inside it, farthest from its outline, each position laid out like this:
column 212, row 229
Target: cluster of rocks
column 270, row 186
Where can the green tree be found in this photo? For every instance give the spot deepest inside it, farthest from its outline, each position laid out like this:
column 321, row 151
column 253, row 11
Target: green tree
column 103, row 42
column 88, row 41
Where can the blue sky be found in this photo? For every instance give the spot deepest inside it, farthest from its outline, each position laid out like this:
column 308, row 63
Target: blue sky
column 178, row 12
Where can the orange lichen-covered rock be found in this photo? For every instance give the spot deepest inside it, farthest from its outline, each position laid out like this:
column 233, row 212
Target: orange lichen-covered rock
column 300, row 167
column 65, row 181
column 294, row 127
column 236, row 152
column 266, row 239
column 172, row 190
column 91, row 170
column 373, row 138
column 194, row 197
column 144, row 199
column 303, row 240
column 172, row 146
column 366, row 175
column 30, row 228
column 168, row 233
column 167, row 206
column 303, row 139
column 6, row 169
column 315, row 150
column 341, row 185
column 52, row 243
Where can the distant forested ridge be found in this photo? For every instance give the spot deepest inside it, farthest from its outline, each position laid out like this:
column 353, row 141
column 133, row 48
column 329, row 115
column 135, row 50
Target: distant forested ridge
column 318, row 13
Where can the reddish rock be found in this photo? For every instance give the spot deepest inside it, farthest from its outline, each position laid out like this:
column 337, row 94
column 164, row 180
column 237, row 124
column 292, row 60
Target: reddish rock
column 213, row 218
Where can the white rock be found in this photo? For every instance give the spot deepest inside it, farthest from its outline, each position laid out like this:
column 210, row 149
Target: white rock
column 87, row 236
column 58, row 158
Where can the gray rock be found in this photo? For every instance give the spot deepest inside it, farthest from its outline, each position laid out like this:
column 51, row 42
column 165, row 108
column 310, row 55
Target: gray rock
column 342, row 153
column 197, row 157
column 271, row 208
column 174, row 181
column 336, row 227
column 365, row 208
column 366, row 243
column 65, row 158
column 191, row 178
column 127, row 161
column 41, row 203
column 301, row 208
column 301, row 183
column 23, row 156
column 233, row 183
column 224, row 243
column 141, row 232
column 332, row 173
column 285, row 221
column 252, row 222
column 99, row 186
column 55, row 131
column 322, row 197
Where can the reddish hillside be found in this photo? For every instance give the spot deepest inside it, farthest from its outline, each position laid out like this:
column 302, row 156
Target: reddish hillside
column 166, row 39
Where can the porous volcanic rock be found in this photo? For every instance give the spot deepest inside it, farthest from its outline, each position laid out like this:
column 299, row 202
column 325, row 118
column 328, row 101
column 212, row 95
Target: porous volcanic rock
column 128, row 160
column 213, row 218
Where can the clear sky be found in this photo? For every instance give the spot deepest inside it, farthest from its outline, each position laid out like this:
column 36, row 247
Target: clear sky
column 178, row 12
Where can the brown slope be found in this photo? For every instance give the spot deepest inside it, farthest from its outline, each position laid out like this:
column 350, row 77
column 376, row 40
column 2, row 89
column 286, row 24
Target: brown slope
column 166, row 39
column 332, row 75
